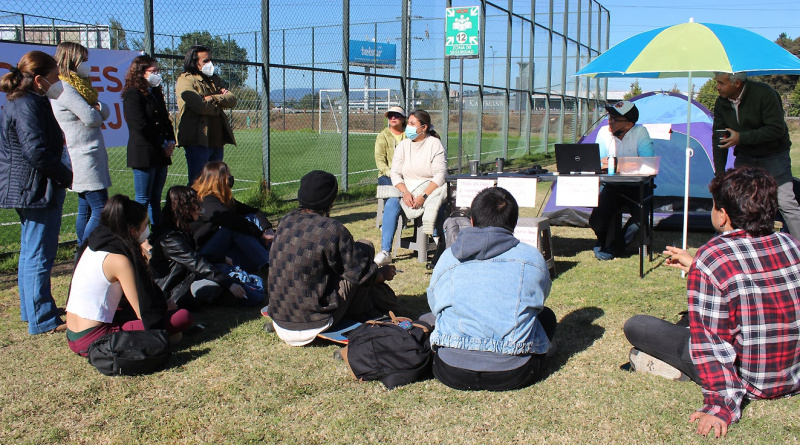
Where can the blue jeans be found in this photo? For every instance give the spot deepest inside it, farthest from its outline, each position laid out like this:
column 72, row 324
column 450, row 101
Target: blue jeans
column 384, row 180
column 38, row 246
column 391, row 211
column 148, row 183
column 245, row 250
column 197, row 156
column 90, row 204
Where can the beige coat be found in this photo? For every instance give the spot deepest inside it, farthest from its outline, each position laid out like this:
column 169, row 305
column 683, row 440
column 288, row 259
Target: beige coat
column 195, row 113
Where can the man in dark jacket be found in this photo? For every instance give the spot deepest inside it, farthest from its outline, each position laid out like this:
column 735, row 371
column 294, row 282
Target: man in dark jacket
column 318, row 273
column 752, row 114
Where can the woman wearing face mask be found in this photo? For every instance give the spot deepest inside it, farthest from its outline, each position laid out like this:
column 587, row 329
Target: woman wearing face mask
column 203, row 128
column 80, row 115
column 227, row 228
column 34, row 176
column 111, row 274
column 419, row 168
column 151, row 139
column 386, row 141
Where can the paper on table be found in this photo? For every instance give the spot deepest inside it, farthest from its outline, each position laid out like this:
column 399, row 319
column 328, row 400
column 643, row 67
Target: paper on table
column 522, row 189
column 466, row 189
column 577, row 191
column 659, row 131
column 527, row 235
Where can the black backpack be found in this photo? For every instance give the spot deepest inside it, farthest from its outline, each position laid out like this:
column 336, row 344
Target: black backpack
column 394, row 350
column 130, row 352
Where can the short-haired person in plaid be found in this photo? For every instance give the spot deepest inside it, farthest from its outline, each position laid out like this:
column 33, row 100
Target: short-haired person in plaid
column 743, row 334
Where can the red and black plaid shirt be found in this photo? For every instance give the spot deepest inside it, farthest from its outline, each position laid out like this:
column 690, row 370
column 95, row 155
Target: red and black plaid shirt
column 744, row 314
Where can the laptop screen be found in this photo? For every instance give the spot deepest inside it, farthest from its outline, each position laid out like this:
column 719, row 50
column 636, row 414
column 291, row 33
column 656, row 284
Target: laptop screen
column 577, row 158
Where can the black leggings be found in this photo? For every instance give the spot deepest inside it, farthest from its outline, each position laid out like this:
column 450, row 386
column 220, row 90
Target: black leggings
column 663, row 340
column 464, row 379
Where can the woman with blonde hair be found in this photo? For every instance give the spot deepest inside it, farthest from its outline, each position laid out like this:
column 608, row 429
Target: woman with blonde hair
column 227, row 227
column 33, row 180
column 80, row 115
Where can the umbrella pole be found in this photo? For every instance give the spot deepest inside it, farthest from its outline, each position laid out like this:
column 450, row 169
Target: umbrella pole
column 688, row 158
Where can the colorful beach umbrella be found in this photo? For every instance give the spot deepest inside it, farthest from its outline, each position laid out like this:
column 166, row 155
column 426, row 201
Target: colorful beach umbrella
column 692, row 49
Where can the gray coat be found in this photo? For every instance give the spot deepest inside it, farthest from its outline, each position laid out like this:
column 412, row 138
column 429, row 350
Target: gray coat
column 87, row 150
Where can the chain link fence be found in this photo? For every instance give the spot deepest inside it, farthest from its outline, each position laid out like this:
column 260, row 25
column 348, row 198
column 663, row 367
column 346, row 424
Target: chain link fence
column 305, row 100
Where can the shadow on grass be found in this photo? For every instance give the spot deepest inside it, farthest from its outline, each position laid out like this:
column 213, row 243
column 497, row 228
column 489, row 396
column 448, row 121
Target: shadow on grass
column 564, row 266
column 355, row 217
column 183, row 357
column 219, row 321
column 575, row 333
column 570, row 247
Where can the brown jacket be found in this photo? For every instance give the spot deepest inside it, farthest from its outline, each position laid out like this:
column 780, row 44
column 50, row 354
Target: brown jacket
column 195, row 113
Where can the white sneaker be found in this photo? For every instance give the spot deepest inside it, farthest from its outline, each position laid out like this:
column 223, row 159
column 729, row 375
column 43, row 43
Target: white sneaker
column 646, row 363
column 383, row 258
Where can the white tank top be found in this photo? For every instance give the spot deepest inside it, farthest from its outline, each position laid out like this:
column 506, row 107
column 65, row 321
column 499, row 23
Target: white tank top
column 92, row 296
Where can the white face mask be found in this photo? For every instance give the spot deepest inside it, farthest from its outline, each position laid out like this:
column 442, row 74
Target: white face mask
column 143, row 236
column 55, row 89
column 153, row 79
column 83, row 70
column 208, row 69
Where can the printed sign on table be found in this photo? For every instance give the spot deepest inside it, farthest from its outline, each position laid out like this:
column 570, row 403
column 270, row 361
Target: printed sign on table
column 467, row 189
column 522, row 189
column 577, row 191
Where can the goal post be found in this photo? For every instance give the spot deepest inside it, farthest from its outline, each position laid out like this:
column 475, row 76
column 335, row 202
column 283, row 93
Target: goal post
column 365, row 101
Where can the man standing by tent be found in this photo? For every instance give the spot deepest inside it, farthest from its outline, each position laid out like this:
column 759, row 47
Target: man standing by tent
column 752, row 113
column 622, row 137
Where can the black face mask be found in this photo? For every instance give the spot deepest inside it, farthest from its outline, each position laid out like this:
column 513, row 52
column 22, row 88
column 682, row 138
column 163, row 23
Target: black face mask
column 230, row 181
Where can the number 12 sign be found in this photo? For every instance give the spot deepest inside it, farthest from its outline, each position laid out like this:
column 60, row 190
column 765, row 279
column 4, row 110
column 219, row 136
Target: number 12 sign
column 462, row 31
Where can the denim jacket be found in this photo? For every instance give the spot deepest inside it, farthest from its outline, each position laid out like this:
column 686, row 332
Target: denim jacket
column 487, row 291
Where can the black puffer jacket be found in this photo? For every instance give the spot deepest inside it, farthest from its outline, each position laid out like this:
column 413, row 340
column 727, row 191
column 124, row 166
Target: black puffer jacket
column 31, row 144
column 175, row 265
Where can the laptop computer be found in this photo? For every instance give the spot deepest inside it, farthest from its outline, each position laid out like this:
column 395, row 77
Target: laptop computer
column 577, row 158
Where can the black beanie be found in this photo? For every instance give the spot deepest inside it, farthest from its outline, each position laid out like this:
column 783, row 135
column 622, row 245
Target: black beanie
column 317, row 191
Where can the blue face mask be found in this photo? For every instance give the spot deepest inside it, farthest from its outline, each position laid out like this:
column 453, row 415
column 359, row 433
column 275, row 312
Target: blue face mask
column 411, row 131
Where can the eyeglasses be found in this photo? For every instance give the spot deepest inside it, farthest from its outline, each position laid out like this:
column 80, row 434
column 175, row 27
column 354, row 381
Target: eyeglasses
column 612, row 118
column 395, row 116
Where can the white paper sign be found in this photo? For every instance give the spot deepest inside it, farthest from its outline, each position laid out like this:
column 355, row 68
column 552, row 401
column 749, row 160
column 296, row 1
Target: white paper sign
column 528, row 235
column 522, row 189
column 467, row 189
column 659, row 131
column 577, row 191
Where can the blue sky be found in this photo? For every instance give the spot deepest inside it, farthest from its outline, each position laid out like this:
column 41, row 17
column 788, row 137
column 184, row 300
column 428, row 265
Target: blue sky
column 766, row 17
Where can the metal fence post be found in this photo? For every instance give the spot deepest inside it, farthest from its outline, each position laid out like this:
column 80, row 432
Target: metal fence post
column 149, row 32
column 345, row 90
column 265, row 52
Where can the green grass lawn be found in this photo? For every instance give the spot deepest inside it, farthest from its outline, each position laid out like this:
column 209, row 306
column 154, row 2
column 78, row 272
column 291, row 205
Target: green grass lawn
column 235, row 383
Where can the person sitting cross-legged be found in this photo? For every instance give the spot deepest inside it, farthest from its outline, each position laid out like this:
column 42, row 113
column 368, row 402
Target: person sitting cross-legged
column 318, row 274
column 487, row 292
column 744, row 307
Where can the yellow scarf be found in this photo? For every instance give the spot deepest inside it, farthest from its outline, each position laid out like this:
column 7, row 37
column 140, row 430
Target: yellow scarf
column 82, row 85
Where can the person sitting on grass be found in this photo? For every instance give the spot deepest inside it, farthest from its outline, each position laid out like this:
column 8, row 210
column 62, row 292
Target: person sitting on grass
column 111, row 288
column 744, row 307
column 180, row 271
column 319, row 274
column 487, row 292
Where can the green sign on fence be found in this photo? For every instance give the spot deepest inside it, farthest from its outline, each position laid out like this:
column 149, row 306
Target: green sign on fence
column 462, row 31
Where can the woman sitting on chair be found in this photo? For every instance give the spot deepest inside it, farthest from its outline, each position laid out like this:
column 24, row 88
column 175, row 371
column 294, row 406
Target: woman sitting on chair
column 111, row 265
column 419, row 168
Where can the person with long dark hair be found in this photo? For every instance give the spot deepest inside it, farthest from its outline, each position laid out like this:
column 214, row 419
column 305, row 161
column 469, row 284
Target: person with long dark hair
column 227, row 227
column 81, row 115
column 203, row 128
column 34, row 176
column 179, row 270
column 419, row 168
column 151, row 138
column 112, row 273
